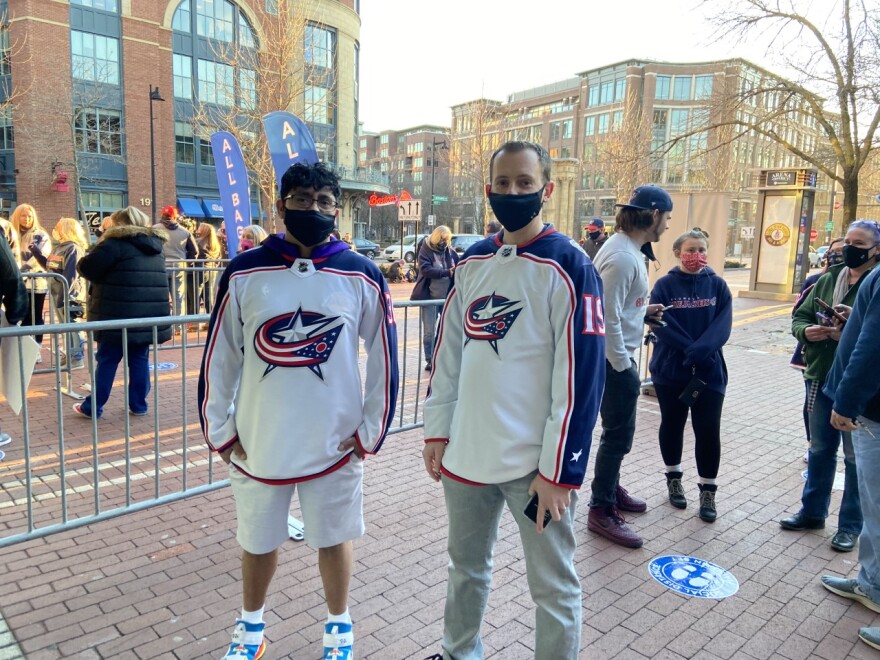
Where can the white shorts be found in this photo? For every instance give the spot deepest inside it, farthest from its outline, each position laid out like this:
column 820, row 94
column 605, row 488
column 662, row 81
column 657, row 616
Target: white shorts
column 332, row 509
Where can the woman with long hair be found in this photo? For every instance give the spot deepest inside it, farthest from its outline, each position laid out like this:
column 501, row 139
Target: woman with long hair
column 251, row 237
column 687, row 365
column 32, row 239
column 209, row 248
column 437, row 262
column 126, row 273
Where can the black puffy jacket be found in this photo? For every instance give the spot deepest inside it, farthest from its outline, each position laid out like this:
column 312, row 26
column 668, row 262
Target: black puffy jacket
column 127, row 280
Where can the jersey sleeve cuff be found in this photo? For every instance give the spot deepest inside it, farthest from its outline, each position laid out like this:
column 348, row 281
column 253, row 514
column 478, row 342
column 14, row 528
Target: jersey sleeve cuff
column 556, row 483
column 226, row 445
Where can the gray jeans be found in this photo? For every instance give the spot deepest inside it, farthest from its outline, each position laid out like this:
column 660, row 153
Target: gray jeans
column 474, row 515
column 866, row 443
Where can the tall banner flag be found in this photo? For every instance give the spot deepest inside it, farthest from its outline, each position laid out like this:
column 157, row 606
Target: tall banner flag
column 289, row 142
column 233, row 181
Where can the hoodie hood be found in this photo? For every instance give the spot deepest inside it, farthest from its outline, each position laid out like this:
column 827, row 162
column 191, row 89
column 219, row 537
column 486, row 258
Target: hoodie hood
column 149, row 240
column 276, row 243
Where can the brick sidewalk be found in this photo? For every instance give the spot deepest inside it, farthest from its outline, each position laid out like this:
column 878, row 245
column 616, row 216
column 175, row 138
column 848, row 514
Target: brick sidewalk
column 164, row 582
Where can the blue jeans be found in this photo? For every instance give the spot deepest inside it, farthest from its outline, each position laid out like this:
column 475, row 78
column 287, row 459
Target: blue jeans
column 822, row 466
column 866, row 442
column 618, row 410
column 108, row 357
column 474, row 513
column 429, row 328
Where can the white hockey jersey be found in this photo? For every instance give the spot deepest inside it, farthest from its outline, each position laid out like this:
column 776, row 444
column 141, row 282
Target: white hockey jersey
column 519, row 365
column 280, row 371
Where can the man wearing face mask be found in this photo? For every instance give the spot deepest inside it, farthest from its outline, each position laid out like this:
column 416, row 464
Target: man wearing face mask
column 596, row 237
column 278, row 382
column 621, row 265
column 514, row 394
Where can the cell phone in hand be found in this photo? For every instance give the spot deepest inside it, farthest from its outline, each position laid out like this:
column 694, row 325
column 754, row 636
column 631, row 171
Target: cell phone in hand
column 830, row 310
column 531, row 511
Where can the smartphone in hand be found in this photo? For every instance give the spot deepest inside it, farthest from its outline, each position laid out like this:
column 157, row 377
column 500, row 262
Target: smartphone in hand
column 830, row 311
column 531, row 511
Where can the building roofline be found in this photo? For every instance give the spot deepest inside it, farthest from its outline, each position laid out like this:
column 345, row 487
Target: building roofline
column 643, row 62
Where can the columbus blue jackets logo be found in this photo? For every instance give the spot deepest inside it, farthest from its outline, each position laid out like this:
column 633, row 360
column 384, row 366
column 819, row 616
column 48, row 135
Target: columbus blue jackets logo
column 490, row 318
column 297, row 339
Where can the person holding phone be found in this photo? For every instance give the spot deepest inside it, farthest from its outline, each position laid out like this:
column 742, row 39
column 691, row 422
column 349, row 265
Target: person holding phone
column 816, row 326
column 687, row 366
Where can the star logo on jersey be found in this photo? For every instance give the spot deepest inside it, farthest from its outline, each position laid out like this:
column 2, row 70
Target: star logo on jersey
column 490, row 318
column 297, row 339
column 576, row 455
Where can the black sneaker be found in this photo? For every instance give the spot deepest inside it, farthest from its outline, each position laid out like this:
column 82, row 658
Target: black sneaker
column 676, row 490
column 428, row 365
column 707, row 503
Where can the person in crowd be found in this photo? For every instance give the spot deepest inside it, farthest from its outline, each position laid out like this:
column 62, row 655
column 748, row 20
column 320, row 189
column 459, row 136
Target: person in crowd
column 14, row 297
column 251, row 237
column 179, row 247
column 70, row 244
column 833, row 256
column 624, row 272
column 347, row 240
column 209, row 252
column 493, row 227
column 854, row 390
column 32, row 235
column 284, row 415
column 595, row 238
column 525, row 308
column 819, row 331
column 437, row 260
column 224, row 245
column 688, row 345
column 11, row 235
column 127, row 279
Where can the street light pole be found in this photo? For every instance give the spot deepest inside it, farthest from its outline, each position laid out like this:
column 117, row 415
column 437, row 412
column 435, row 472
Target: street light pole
column 154, row 96
column 434, row 145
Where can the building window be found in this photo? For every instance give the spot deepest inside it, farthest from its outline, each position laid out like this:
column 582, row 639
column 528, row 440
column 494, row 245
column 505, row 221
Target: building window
column 214, row 20
column 318, row 108
column 593, row 96
column 184, row 143
column 95, row 58
column 606, row 205
column 619, row 89
column 98, row 131
column 703, row 87
column 617, row 120
column 682, row 89
column 319, row 46
column 106, row 5
column 272, row 7
column 247, row 89
column 5, row 61
column 603, row 123
column 182, row 67
column 589, row 205
column 6, row 133
column 182, row 17
column 590, row 125
column 555, row 131
column 216, row 83
column 566, row 129
column 606, row 92
column 678, row 122
column 245, row 33
column 663, row 84
column 206, row 154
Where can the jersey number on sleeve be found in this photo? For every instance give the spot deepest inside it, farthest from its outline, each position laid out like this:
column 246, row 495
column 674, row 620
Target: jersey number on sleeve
column 594, row 317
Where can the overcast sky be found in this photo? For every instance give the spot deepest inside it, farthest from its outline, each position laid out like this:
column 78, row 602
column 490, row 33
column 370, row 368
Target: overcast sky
column 418, row 58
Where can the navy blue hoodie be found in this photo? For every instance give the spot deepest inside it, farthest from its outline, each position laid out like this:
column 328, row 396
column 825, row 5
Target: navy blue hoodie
column 698, row 326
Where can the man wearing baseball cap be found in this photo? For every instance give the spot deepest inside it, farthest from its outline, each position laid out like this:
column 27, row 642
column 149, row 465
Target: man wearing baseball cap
column 622, row 267
column 179, row 246
column 596, row 237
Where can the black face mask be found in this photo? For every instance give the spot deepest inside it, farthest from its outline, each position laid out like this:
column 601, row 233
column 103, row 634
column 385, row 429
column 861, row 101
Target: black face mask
column 854, row 256
column 595, row 235
column 309, row 227
column 442, row 245
column 516, row 211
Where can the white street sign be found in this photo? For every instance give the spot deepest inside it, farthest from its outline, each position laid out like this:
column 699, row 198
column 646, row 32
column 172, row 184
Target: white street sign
column 410, row 211
column 430, row 220
column 747, row 232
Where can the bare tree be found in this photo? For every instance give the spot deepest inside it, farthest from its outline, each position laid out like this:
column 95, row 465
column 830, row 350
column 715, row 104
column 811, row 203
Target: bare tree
column 276, row 74
column 835, row 57
column 622, row 155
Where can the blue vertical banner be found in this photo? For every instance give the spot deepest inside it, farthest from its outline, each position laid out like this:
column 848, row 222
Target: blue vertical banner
column 233, row 181
column 289, row 142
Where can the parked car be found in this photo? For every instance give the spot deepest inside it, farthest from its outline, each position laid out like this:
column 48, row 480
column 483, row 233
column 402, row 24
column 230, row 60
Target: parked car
column 410, row 243
column 815, row 257
column 820, row 252
column 461, row 242
column 366, row 248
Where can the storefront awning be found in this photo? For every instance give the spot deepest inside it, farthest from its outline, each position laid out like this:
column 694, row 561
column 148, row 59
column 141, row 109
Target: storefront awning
column 190, row 207
column 213, row 208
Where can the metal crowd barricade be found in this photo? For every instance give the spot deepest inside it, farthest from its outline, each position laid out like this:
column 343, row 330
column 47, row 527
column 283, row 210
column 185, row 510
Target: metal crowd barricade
column 62, row 472
column 191, row 281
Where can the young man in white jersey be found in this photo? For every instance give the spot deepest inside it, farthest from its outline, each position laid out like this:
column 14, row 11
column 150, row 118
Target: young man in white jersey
column 514, row 394
column 281, row 400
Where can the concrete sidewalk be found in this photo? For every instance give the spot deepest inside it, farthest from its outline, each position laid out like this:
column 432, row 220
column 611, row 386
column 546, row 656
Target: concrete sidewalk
column 163, row 583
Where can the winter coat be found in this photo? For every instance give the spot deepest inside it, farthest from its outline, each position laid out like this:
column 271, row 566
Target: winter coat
column 127, row 278
column 429, row 271
column 29, row 264
column 697, row 326
column 179, row 243
column 819, row 355
column 12, row 291
column 63, row 261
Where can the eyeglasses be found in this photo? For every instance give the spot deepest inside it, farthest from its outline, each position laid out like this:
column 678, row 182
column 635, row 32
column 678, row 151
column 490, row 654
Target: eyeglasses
column 304, row 202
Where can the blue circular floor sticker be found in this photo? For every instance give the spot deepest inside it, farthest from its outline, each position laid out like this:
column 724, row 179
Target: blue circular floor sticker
column 163, row 366
column 693, row 577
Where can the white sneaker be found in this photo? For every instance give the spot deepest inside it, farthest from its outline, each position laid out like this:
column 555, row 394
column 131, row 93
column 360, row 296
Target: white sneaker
column 5, row 439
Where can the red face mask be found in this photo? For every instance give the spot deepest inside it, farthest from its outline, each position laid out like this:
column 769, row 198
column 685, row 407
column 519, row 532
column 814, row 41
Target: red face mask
column 694, row 261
